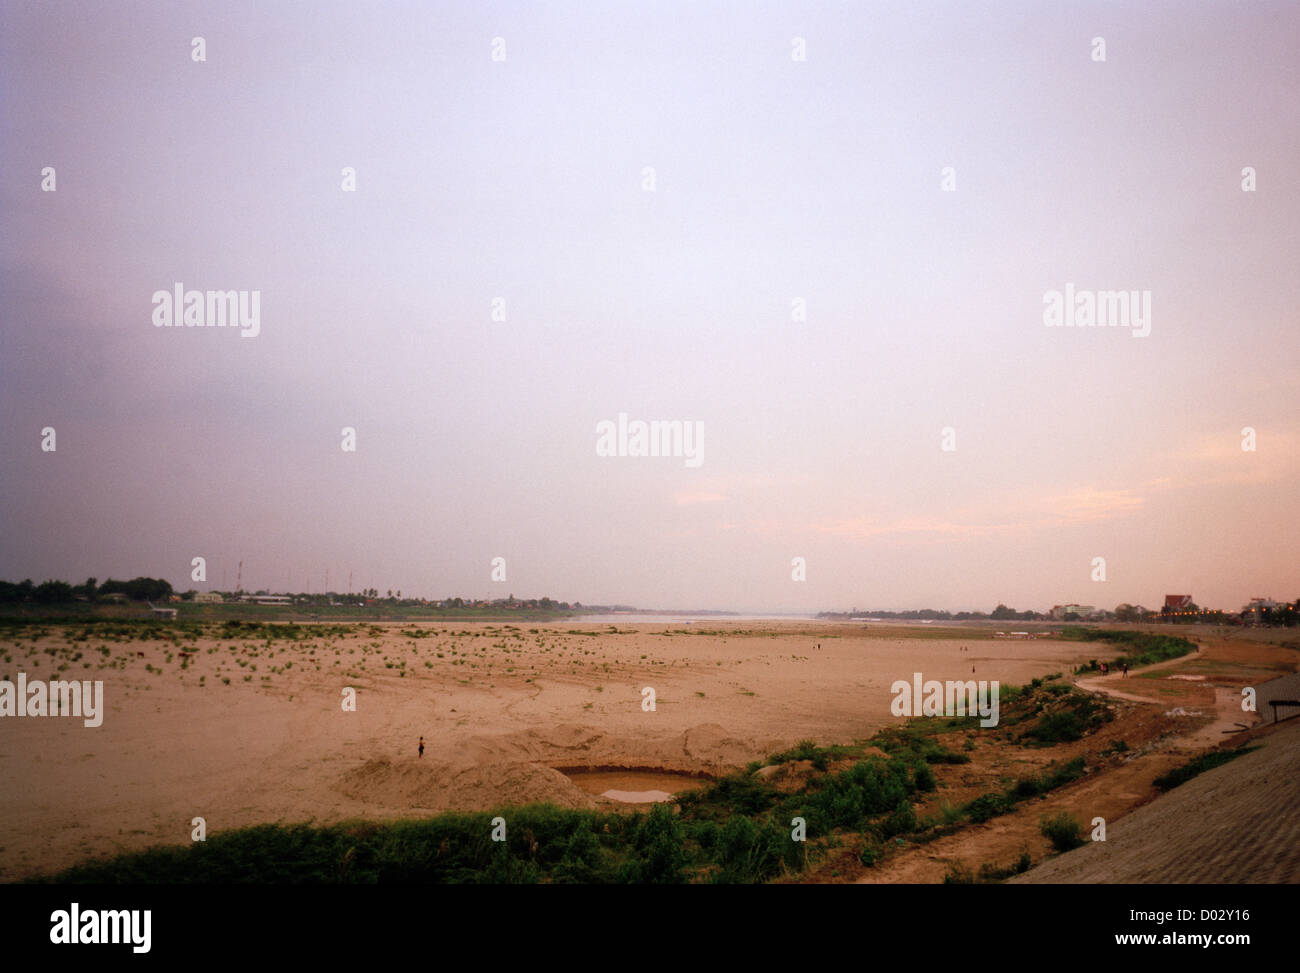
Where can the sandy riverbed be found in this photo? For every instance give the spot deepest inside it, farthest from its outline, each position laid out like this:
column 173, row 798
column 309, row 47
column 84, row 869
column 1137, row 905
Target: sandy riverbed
column 499, row 708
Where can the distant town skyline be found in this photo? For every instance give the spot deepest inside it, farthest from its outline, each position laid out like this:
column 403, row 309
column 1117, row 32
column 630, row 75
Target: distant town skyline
column 1175, row 603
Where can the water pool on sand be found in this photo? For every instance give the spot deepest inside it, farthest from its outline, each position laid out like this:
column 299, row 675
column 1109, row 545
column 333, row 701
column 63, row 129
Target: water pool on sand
column 639, row 786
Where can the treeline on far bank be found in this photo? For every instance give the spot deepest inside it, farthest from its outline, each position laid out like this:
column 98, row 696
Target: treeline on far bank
column 63, row 593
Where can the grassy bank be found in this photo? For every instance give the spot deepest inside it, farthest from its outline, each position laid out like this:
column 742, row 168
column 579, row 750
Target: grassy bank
column 1139, row 648
column 1207, row 761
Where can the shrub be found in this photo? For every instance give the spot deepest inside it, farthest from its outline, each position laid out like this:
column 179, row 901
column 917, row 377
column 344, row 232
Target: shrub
column 659, row 840
column 901, row 820
column 1208, row 761
column 988, row 806
column 705, row 834
column 740, row 793
column 960, row 874
column 1060, row 727
column 870, row 853
column 1027, row 787
column 1070, row 771
column 736, row 840
column 923, row 777
column 1064, row 831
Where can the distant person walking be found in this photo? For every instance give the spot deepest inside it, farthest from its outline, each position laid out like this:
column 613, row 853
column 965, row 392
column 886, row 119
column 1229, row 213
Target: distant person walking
column 421, row 746
column 1124, row 666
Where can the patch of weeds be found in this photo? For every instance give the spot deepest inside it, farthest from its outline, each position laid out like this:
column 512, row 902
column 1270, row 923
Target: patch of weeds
column 1064, row 831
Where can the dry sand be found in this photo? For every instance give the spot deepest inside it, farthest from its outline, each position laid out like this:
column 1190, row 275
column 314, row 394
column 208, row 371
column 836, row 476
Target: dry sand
column 500, row 708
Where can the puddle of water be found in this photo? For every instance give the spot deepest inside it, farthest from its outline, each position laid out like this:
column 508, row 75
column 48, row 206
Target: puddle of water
column 633, row 786
column 638, row 797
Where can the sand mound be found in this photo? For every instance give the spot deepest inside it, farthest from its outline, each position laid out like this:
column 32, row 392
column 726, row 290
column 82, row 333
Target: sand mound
column 491, row 770
column 711, row 744
column 431, row 786
column 706, row 747
column 1234, row 824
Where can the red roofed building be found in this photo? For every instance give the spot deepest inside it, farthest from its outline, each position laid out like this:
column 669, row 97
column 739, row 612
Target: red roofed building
column 1175, row 603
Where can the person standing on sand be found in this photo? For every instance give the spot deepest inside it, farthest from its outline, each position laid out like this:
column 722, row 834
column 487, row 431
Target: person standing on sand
column 1124, row 666
column 421, row 746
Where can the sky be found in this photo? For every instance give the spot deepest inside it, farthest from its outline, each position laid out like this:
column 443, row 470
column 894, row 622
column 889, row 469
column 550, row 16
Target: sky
column 825, row 234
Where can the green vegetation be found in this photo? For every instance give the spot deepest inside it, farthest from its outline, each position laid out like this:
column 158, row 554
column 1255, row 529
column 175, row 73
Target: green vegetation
column 62, row 593
column 997, row 803
column 1063, row 714
column 808, row 750
column 735, row 831
column 1141, row 648
column 1207, row 761
column 961, row 875
column 56, row 601
column 915, row 740
column 543, row 843
column 1064, row 831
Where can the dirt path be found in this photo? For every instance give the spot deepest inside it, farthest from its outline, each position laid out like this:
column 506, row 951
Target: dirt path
column 1199, row 716
column 1227, row 717
column 1107, row 684
column 1233, row 824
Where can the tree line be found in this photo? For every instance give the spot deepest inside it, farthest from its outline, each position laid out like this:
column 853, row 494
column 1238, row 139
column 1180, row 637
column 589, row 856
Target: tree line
column 61, row 592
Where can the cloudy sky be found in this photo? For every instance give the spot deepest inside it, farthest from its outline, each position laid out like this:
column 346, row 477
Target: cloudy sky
column 647, row 195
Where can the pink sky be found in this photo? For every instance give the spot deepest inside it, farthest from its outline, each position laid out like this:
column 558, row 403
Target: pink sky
column 775, row 179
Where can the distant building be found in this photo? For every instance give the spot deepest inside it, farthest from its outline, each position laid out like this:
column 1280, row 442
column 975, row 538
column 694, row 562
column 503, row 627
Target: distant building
column 1178, row 603
column 207, row 598
column 1082, row 611
column 269, row 599
column 1253, row 613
